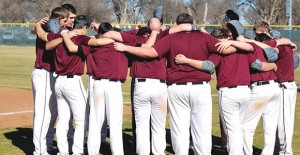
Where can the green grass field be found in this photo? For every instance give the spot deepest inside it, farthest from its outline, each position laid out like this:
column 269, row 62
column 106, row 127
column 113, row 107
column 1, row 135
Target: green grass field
column 15, row 71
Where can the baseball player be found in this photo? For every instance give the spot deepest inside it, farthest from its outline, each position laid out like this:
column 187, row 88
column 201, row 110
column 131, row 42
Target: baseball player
column 51, row 45
column 43, row 90
column 285, row 76
column 232, row 106
column 69, row 90
column 150, row 105
column 149, row 102
column 107, row 92
column 72, row 15
column 264, row 103
column 189, row 92
column 90, row 65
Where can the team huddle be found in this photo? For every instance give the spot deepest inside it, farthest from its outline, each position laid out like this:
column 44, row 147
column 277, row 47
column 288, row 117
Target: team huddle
column 170, row 70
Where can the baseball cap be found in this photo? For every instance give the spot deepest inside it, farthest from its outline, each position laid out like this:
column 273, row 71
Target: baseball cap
column 53, row 25
column 232, row 15
column 275, row 34
column 236, row 28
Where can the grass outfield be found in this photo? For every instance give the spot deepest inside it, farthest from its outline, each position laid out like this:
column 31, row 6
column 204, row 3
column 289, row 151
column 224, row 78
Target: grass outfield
column 15, row 71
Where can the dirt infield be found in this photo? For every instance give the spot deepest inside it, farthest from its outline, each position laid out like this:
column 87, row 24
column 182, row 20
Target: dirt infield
column 16, row 107
column 13, row 101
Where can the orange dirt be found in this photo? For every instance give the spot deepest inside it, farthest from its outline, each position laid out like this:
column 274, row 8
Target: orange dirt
column 16, row 107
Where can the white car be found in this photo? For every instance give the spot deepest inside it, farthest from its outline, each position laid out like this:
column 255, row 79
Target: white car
column 8, row 37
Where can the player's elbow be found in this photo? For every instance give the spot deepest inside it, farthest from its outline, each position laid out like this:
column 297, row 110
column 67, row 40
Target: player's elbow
column 207, row 66
column 152, row 53
column 73, row 49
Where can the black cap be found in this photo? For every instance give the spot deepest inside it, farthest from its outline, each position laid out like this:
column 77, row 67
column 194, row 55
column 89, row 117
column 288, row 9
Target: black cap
column 232, row 15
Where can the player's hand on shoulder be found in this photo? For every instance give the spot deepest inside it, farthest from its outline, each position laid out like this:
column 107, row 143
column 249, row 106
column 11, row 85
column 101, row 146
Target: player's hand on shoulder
column 72, row 34
column 241, row 38
column 43, row 21
column 119, row 46
column 180, row 59
column 223, row 45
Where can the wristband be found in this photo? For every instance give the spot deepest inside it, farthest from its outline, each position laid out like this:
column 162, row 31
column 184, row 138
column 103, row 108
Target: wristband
column 64, row 31
column 195, row 27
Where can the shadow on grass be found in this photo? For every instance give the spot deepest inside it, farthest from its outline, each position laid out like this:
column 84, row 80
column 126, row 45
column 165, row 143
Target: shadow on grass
column 22, row 138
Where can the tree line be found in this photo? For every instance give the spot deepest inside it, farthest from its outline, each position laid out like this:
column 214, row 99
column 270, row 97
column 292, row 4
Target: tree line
column 139, row 11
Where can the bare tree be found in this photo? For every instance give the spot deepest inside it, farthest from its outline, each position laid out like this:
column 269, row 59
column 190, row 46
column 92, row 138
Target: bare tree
column 99, row 11
column 128, row 10
column 263, row 10
column 10, row 12
column 296, row 12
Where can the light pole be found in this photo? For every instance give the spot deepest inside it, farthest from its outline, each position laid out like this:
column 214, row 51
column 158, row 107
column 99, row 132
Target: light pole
column 289, row 12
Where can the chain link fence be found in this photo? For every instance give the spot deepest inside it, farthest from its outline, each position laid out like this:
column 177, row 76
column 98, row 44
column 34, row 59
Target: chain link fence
column 20, row 35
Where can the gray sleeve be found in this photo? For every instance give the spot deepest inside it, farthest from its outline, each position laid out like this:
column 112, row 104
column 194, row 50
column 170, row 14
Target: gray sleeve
column 53, row 26
column 271, row 54
column 257, row 64
column 207, row 66
column 296, row 60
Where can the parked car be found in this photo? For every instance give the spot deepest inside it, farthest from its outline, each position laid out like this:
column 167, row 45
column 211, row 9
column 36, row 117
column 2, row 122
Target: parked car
column 8, row 37
column 31, row 39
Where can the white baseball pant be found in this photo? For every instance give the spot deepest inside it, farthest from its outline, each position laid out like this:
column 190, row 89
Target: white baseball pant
column 71, row 100
column 90, row 102
column 150, row 100
column 286, row 118
column 107, row 99
column 190, row 106
column 233, row 103
column 45, row 110
column 264, row 102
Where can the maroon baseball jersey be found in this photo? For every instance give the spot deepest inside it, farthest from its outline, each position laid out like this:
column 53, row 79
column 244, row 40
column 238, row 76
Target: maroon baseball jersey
column 110, row 64
column 44, row 59
column 90, row 63
column 232, row 70
column 194, row 45
column 67, row 63
column 145, row 68
column 256, row 75
column 285, row 62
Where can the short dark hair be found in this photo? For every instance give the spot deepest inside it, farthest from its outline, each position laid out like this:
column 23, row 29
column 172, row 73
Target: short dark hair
column 80, row 22
column 233, row 31
column 59, row 12
column 142, row 31
column 261, row 25
column 262, row 37
column 220, row 33
column 70, row 8
column 104, row 27
column 116, row 29
column 184, row 18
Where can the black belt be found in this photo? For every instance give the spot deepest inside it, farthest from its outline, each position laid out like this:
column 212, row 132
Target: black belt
column 193, row 83
column 38, row 67
column 144, row 80
column 70, row 76
column 259, row 83
column 235, row 86
column 111, row 80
